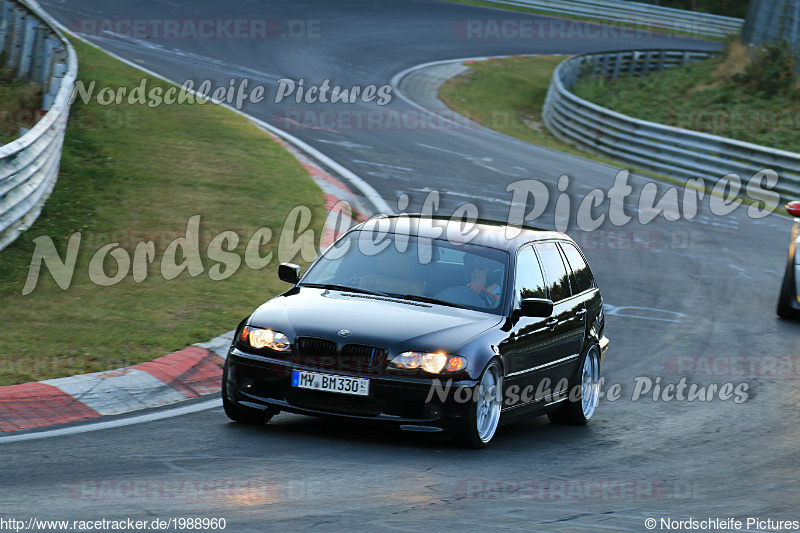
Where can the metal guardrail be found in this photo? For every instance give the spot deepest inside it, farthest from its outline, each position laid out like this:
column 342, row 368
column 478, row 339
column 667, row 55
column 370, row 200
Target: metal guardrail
column 35, row 51
column 674, row 152
column 645, row 15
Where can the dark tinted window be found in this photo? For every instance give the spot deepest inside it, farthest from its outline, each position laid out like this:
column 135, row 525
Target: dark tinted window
column 529, row 280
column 554, row 270
column 582, row 274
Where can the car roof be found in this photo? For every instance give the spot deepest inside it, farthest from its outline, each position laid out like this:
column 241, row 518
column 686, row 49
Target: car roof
column 491, row 233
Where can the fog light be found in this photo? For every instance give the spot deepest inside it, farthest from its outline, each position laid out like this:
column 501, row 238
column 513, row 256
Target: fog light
column 246, row 384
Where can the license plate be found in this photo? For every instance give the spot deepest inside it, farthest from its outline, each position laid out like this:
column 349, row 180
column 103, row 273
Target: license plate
column 330, row 383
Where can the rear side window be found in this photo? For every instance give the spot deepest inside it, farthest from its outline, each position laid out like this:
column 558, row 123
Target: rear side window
column 580, row 270
column 529, row 282
column 554, row 270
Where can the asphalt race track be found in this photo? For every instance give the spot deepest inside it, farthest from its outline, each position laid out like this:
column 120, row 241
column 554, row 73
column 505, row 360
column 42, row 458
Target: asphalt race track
column 701, row 290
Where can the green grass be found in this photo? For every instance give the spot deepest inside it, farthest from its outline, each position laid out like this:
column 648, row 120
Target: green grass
column 133, row 173
column 507, row 95
column 612, row 23
column 20, row 102
column 705, row 97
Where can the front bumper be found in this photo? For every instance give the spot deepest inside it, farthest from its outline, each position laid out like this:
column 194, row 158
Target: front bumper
column 258, row 381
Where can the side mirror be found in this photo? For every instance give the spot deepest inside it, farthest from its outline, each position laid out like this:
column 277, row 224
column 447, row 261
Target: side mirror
column 288, row 272
column 793, row 208
column 536, row 307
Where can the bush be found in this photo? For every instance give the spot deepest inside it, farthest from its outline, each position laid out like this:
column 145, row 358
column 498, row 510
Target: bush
column 772, row 70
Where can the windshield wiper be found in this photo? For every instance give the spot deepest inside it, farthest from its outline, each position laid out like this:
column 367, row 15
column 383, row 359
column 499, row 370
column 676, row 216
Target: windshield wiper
column 426, row 299
column 345, row 288
column 413, row 297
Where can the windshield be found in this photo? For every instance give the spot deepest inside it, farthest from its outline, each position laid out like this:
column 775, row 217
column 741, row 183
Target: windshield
column 436, row 271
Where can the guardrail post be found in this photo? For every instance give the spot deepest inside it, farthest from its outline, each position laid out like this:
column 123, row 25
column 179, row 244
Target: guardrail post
column 648, row 58
column 617, row 65
column 48, row 58
column 5, row 10
column 26, row 48
column 634, row 62
column 576, row 72
column 58, row 71
column 37, row 55
column 16, row 20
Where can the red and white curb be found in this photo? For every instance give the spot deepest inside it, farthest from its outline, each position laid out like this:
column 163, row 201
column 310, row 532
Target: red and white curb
column 189, row 373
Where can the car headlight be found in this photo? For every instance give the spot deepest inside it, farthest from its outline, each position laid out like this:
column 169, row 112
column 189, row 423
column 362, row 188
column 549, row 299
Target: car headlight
column 434, row 363
column 264, row 338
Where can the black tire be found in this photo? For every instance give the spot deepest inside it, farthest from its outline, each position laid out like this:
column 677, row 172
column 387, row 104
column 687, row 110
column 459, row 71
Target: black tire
column 578, row 412
column 785, row 309
column 241, row 414
column 477, row 431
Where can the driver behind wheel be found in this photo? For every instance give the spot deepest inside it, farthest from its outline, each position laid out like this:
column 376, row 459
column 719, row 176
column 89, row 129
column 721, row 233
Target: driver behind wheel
column 478, row 278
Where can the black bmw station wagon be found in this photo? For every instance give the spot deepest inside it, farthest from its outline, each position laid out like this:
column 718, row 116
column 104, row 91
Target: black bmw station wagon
column 405, row 321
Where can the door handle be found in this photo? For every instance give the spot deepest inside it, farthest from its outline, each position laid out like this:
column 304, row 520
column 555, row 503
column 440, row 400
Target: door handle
column 552, row 323
column 581, row 312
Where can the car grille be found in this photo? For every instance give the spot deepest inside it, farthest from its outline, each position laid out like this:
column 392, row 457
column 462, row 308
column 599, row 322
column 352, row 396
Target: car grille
column 319, row 353
column 311, row 347
column 360, row 357
column 324, row 354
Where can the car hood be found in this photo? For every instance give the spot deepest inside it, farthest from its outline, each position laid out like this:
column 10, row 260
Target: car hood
column 392, row 324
